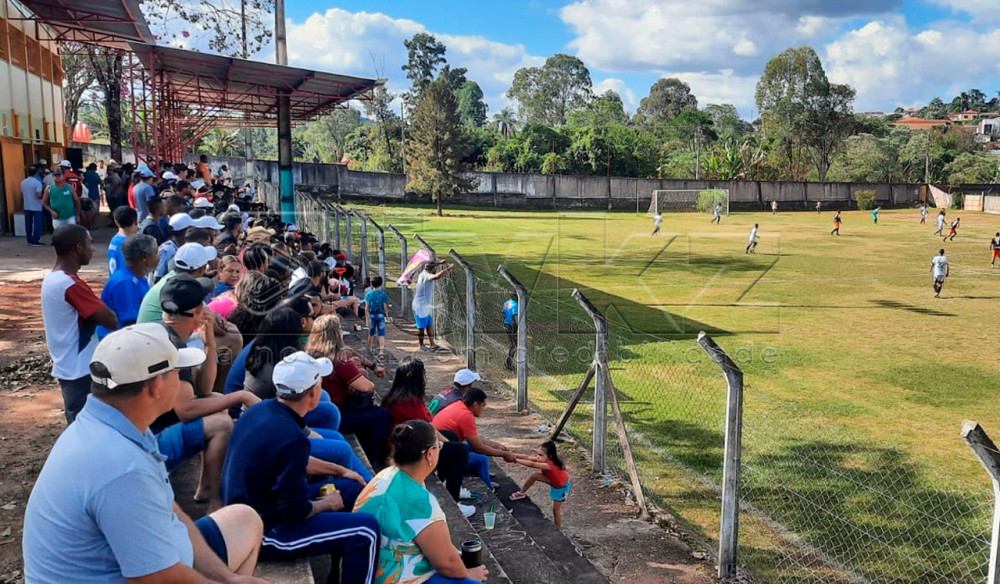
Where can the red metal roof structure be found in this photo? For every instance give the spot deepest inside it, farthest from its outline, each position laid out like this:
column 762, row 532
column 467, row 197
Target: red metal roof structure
column 187, row 93
column 109, row 23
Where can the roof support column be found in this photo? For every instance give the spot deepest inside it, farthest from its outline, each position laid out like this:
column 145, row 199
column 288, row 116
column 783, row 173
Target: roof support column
column 287, row 183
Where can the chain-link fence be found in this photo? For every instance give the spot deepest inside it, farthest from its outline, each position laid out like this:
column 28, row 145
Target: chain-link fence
column 820, row 502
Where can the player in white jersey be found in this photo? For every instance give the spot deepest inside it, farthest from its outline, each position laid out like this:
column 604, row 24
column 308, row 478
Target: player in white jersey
column 939, row 270
column 752, row 241
column 657, row 221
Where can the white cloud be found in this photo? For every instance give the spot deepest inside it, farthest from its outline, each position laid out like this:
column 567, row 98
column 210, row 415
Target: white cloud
column 722, row 87
column 639, row 35
column 891, row 65
column 987, row 10
column 618, row 86
column 352, row 43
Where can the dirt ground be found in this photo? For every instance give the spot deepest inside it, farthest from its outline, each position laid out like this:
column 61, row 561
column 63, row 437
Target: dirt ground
column 602, row 523
column 598, row 519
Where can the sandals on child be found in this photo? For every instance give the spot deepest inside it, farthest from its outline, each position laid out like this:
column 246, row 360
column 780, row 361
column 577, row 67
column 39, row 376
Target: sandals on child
column 518, row 496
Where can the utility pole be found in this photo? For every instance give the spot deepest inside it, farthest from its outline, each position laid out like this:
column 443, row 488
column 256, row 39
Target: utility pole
column 284, row 121
column 249, row 173
column 927, row 158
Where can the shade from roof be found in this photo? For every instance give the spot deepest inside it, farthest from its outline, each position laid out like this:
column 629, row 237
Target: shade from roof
column 111, row 23
column 228, row 85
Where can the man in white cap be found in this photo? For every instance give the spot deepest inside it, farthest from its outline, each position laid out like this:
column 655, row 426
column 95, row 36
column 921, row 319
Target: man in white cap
column 178, row 225
column 102, row 508
column 464, row 378
column 202, row 423
column 203, row 203
column 143, row 190
column 208, row 222
column 267, row 469
column 191, row 259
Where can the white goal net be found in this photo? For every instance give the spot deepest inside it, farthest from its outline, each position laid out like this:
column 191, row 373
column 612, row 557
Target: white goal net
column 689, row 201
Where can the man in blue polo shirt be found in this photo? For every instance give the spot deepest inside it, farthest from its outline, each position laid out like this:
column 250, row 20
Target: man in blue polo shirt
column 267, row 468
column 102, row 508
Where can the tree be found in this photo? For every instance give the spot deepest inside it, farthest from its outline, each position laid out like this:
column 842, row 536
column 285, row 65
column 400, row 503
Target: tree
column 471, row 107
column 222, row 143
column 437, row 146
column 107, row 67
column 972, row 168
column 666, row 100
column 801, row 109
column 78, row 77
column 424, row 55
column 935, row 110
column 219, row 22
column 602, row 111
column 506, row 122
column 546, row 94
column 727, row 123
column 327, row 136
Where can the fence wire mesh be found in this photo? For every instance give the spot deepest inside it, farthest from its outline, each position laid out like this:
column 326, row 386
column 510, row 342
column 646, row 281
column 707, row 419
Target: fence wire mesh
column 820, row 502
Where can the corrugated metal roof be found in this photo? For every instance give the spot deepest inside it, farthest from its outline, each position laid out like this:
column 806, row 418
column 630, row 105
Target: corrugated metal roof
column 226, row 83
column 111, row 23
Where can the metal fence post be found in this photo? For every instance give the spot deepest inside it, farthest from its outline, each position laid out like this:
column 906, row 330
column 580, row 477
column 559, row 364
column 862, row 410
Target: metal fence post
column 347, row 219
column 381, row 248
column 729, row 528
column 470, row 309
column 336, row 226
column 426, row 246
column 521, row 397
column 364, row 245
column 403, row 260
column 602, row 381
column 986, row 450
column 326, row 224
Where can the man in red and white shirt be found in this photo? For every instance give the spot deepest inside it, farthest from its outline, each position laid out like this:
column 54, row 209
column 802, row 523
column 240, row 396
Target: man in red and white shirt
column 458, row 422
column 71, row 312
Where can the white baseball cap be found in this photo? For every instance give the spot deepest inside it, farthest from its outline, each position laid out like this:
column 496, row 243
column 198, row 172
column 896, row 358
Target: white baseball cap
column 137, row 353
column 207, row 222
column 298, row 373
column 202, row 203
column 466, row 377
column 292, row 227
column 197, row 184
column 169, row 176
column 234, row 207
column 65, row 163
column 192, row 256
column 181, row 221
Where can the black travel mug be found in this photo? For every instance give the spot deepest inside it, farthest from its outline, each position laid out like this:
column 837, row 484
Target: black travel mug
column 472, row 553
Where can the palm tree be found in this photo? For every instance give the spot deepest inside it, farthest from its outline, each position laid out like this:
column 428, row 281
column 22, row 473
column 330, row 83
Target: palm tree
column 506, row 122
column 220, row 142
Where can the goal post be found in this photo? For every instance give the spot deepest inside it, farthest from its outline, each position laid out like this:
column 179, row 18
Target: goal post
column 689, row 201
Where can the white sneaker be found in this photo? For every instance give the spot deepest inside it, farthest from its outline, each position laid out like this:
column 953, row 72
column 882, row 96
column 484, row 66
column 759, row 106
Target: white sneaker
column 464, row 493
column 467, row 510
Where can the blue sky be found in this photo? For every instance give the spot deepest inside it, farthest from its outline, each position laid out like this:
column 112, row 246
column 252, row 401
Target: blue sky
column 894, row 52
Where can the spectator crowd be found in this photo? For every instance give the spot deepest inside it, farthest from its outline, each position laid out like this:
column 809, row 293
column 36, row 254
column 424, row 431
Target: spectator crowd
column 220, row 333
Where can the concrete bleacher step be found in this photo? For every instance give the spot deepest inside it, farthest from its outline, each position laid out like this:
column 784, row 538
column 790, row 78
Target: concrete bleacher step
column 462, row 530
column 514, row 546
column 184, row 480
column 550, row 539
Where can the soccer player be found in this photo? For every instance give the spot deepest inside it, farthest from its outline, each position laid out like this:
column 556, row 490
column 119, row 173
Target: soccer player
column 774, row 206
column 954, row 230
column 657, row 221
column 923, row 214
column 717, row 214
column 995, row 247
column 752, row 242
column 819, row 206
column 875, row 214
column 940, row 223
column 940, row 270
column 836, row 224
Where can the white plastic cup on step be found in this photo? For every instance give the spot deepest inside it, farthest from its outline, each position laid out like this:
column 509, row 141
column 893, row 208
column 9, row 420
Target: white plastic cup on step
column 490, row 519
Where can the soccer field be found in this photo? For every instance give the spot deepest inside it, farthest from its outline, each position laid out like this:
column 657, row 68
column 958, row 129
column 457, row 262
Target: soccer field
column 857, row 378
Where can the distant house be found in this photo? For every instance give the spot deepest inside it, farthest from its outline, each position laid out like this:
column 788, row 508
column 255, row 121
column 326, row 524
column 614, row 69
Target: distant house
column 873, row 115
column 987, row 130
column 966, row 116
column 920, row 123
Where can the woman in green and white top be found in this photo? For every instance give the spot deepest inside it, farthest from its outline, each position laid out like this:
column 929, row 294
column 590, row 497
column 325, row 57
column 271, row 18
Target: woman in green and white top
column 60, row 200
column 416, row 545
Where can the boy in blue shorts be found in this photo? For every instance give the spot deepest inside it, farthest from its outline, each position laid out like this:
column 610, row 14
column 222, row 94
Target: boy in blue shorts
column 376, row 303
